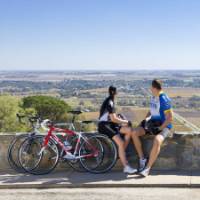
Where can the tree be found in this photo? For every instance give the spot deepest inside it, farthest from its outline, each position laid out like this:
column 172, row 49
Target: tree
column 47, row 107
column 8, row 110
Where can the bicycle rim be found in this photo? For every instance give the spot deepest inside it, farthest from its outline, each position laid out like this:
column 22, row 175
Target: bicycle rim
column 45, row 162
column 13, row 150
column 91, row 153
column 108, row 157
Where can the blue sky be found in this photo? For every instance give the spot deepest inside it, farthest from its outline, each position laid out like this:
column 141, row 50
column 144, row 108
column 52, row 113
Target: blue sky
column 99, row 34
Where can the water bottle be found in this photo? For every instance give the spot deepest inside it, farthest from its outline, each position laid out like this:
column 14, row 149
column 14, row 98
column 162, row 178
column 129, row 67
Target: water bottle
column 67, row 145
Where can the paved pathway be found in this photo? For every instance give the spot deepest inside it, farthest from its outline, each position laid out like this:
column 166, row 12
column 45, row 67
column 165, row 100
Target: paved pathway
column 102, row 193
column 73, row 179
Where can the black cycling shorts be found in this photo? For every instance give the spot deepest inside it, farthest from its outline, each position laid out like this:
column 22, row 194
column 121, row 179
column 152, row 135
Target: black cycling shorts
column 151, row 126
column 108, row 128
column 142, row 124
column 166, row 132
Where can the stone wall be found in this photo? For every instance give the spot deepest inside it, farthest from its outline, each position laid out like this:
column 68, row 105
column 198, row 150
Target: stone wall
column 182, row 151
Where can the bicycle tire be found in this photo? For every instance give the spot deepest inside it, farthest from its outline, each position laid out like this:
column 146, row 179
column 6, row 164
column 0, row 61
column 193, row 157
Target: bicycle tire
column 76, row 164
column 40, row 167
column 108, row 160
column 12, row 153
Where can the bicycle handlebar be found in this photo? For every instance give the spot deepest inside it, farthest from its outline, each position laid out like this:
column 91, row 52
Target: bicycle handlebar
column 31, row 119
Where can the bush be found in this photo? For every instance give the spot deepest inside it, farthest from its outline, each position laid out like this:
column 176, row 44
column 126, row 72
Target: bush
column 47, row 107
column 8, row 110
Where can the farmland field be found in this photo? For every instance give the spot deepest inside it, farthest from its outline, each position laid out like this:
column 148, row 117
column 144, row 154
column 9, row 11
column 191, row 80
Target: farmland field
column 182, row 92
column 88, row 89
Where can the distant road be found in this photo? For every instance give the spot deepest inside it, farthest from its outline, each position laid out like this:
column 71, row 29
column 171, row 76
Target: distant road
column 186, row 123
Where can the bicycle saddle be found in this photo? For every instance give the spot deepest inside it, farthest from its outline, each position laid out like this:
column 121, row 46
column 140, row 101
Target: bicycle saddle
column 75, row 112
column 88, row 121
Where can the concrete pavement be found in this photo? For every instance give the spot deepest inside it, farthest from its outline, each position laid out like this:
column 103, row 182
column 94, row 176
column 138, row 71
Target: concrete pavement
column 102, row 193
column 72, row 179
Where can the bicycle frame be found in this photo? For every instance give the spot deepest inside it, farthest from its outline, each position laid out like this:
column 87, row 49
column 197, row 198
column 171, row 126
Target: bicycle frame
column 54, row 137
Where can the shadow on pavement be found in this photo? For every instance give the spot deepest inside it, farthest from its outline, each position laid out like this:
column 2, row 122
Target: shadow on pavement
column 72, row 177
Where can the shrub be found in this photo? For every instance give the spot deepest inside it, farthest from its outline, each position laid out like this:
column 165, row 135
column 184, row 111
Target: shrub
column 47, row 107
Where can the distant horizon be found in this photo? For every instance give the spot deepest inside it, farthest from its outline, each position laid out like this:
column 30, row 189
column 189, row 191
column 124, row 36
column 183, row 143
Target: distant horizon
column 98, row 70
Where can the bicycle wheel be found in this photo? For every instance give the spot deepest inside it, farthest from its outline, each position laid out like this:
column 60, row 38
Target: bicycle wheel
column 36, row 161
column 12, row 154
column 92, row 154
column 106, row 157
column 110, row 154
column 75, row 163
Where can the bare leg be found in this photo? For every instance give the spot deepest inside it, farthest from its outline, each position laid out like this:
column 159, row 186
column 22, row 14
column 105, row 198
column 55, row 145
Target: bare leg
column 126, row 140
column 136, row 133
column 121, row 149
column 158, row 140
column 127, row 132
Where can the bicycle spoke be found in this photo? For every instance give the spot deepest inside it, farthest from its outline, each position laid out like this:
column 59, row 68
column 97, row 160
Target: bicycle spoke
column 105, row 156
column 44, row 159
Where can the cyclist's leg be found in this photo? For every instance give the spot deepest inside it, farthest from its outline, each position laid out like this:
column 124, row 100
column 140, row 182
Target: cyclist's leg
column 112, row 131
column 136, row 133
column 121, row 149
column 126, row 131
column 158, row 140
column 127, row 139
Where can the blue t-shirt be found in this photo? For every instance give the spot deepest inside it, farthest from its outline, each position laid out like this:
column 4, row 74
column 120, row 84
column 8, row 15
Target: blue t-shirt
column 159, row 106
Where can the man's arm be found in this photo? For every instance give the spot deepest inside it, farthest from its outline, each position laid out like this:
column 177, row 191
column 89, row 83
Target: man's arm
column 148, row 114
column 169, row 119
column 117, row 120
column 112, row 114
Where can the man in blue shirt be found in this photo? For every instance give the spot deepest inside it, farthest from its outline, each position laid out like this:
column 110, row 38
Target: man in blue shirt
column 158, row 122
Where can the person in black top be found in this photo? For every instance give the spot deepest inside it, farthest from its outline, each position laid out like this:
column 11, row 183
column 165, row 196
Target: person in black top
column 112, row 125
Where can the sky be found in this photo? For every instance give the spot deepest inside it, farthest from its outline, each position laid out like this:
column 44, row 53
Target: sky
column 99, row 34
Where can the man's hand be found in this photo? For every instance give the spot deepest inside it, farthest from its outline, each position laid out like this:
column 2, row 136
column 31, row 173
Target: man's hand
column 129, row 124
column 155, row 130
column 114, row 118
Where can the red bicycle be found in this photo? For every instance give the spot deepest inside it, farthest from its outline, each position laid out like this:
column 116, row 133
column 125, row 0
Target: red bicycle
column 95, row 153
